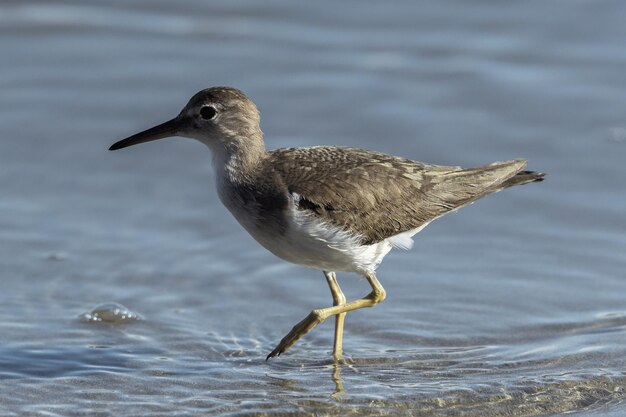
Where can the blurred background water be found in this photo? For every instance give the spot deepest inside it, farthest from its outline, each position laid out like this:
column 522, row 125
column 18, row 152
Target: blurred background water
column 513, row 306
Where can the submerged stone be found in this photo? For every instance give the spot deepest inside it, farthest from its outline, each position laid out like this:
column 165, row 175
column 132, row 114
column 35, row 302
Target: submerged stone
column 112, row 313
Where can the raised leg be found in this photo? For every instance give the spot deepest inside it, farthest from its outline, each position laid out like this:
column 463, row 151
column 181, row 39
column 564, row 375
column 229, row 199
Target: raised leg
column 315, row 317
column 338, row 299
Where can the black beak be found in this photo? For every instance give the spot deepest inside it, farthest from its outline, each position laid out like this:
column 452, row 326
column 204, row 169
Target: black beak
column 164, row 130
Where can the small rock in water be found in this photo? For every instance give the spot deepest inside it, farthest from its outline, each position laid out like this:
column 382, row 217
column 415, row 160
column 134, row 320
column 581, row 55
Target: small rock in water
column 112, row 313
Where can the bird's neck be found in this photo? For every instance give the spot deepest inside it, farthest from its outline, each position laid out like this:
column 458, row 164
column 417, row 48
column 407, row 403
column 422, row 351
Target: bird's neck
column 239, row 160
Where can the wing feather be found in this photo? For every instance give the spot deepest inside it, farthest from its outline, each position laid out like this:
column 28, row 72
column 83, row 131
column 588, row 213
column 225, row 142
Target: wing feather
column 378, row 195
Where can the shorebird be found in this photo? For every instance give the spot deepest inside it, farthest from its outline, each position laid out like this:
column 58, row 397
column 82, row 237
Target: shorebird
column 330, row 208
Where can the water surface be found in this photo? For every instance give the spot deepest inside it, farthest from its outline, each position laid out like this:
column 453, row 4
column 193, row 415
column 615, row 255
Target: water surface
column 512, row 306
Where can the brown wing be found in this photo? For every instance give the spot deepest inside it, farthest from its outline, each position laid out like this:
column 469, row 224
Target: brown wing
column 379, row 195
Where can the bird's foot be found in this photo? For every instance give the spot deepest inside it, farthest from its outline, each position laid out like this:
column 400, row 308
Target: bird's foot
column 313, row 319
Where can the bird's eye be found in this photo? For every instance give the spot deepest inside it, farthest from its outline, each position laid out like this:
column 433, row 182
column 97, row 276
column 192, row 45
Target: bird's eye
column 208, row 112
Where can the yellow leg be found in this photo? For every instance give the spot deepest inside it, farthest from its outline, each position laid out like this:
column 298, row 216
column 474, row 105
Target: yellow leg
column 338, row 299
column 315, row 317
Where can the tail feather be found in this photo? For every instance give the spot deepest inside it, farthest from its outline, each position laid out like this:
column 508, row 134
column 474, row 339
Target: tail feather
column 463, row 186
column 524, row 177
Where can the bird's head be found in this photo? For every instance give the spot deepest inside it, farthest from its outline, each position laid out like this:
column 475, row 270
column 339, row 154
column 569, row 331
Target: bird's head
column 223, row 118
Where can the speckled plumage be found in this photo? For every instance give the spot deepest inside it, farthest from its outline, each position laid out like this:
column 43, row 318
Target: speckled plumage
column 330, row 208
column 377, row 195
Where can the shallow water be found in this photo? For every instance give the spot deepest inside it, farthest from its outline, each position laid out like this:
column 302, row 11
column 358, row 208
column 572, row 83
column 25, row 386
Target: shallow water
column 512, row 306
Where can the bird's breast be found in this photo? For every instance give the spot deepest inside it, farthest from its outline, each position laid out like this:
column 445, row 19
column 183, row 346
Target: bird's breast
column 299, row 236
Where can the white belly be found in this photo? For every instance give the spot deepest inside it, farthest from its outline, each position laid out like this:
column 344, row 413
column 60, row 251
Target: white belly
column 308, row 241
column 312, row 243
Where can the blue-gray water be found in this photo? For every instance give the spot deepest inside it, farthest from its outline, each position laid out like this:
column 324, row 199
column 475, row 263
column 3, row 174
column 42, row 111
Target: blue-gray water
column 515, row 305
